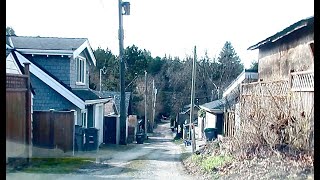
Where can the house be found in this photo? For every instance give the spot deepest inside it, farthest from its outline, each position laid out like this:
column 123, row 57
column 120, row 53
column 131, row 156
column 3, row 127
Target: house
column 112, row 115
column 60, row 76
column 290, row 50
column 232, row 105
column 19, row 102
column 286, row 79
column 212, row 117
column 183, row 117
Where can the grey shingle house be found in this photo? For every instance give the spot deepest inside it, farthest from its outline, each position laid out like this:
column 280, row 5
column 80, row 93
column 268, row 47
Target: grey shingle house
column 60, row 76
column 112, row 115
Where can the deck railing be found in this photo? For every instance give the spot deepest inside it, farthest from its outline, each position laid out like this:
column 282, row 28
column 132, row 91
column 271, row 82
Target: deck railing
column 298, row 81
column 275, row 88
column 302, row 81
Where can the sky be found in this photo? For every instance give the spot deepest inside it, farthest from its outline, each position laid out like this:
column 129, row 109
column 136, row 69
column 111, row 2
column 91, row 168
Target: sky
column 164, row 27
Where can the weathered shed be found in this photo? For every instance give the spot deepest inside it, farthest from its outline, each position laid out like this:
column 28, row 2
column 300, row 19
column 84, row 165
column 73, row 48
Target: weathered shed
column 289, row 50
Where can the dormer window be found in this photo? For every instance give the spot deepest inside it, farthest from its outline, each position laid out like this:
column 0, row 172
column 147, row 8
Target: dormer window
column 81, row 69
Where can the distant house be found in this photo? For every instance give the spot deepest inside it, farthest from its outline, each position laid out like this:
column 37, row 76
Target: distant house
column 60, row 76
column 213, row 117
column 183, row 117
column 112, row 115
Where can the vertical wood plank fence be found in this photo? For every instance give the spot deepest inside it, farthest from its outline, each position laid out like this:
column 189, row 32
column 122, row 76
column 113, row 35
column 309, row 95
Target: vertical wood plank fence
column 53, row 133
column 18, row 117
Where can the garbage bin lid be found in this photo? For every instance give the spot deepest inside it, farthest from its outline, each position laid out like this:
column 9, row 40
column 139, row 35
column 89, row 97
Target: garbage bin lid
column 210, row 129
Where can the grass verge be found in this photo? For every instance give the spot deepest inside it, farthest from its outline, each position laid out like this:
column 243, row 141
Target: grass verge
column 57, row 165
column 210, row 163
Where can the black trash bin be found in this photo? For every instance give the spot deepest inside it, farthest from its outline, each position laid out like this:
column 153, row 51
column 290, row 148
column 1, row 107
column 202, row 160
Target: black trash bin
column 140, row 138
column 210, row 133
column 79, row 138
column 91, row 136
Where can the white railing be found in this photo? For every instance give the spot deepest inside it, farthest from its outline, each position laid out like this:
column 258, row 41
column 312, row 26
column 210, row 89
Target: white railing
column 302, row 81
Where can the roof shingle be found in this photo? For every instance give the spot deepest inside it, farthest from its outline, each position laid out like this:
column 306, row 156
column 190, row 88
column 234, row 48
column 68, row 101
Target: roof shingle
column 46, row 43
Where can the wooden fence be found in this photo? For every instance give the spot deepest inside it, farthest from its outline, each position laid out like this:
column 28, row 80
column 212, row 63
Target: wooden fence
column 18, row 116
column 229, row 123
column 53, row 133
column 292, row 98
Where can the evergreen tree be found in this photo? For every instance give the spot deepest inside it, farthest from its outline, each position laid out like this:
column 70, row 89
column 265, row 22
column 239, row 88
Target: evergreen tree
column 230, row 65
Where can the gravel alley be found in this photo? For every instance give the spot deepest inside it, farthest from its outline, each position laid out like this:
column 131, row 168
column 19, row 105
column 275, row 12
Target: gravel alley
column 157, row 158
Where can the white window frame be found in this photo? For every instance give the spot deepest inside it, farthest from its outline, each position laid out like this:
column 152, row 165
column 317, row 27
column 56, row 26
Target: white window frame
column 80, row 80
column 84, row 118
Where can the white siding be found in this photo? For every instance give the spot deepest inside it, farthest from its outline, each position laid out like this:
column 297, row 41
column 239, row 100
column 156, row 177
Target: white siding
column 11, row 65
column 210, row 121
column 98, row 121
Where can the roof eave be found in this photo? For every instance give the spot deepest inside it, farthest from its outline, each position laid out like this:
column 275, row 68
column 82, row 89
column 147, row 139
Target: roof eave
column 85, row 45
column 270, row 40
column 45, row 52
column 96, row 101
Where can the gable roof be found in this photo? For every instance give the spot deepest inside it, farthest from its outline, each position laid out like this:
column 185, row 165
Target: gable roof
column 52, row 46
column 46, row 43
column 292, row 28
column 47, row 79
column 116, row 97
column 214, row 106
column 246, row 74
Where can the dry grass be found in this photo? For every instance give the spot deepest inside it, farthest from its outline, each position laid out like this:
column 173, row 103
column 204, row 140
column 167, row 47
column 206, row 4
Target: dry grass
column 272, row 125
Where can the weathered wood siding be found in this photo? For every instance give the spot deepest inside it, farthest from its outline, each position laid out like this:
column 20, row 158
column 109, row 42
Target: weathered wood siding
column 289, row 53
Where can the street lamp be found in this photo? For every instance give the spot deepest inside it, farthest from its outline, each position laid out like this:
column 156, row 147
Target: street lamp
column 104, row 71
column 136, row 75
column 124, row 9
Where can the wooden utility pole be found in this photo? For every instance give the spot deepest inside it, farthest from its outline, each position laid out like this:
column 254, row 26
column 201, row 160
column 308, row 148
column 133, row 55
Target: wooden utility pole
column 154, row 99
column 123, row 123
column 145, row 104
column 191, row 126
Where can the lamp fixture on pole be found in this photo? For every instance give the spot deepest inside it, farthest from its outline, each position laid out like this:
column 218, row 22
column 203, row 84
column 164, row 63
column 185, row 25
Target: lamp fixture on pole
column 104, row 71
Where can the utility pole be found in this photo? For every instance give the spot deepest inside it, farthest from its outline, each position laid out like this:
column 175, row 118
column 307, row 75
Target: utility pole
column 123, row 119
column 145, row 104
column 154, row 98
column 191, row 126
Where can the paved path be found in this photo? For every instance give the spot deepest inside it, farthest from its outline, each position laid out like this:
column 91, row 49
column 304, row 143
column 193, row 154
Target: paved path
column 159, row 158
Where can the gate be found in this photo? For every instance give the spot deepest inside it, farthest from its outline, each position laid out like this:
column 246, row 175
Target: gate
column 110, row 130
column 53, row 133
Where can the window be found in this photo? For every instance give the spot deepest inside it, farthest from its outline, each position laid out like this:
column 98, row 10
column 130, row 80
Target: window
column 81, row 69
column 84, row 118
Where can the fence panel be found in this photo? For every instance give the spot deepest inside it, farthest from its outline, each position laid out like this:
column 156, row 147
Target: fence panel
column 18, row 117
column 53, row 132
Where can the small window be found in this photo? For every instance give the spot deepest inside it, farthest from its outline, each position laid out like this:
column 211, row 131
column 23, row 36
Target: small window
column 84, row 118
column 81, row 69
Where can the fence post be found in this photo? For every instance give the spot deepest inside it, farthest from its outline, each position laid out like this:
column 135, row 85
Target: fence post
column 51, row 131
column 28, row 112
column 74, row 128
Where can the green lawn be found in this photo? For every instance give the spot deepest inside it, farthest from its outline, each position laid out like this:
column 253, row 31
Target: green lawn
column 57, row 165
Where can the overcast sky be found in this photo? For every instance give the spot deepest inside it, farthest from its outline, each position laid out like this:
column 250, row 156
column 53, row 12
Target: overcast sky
column 161, row 26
